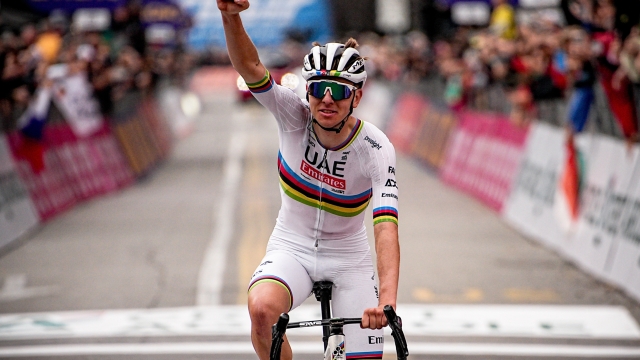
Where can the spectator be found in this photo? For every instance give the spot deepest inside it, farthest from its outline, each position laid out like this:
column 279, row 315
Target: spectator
column 583, row 75
column 503, row 19
column 630, row 69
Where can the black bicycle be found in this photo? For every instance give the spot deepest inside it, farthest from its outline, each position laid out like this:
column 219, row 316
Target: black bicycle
column 332, row 334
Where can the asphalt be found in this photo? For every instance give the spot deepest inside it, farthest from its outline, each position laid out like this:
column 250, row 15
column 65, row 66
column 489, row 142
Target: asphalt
column 144, row 249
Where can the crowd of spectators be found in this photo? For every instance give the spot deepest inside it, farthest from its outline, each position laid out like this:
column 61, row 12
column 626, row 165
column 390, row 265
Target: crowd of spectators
column 580, row 59
column 116, row 60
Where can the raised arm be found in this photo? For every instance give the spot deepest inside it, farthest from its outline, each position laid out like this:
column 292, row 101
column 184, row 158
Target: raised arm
column 242, row 51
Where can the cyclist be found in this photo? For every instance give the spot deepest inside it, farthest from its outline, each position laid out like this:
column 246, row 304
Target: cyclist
column 331, row 165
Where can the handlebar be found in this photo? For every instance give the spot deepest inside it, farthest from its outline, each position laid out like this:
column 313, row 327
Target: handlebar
column 395, row 323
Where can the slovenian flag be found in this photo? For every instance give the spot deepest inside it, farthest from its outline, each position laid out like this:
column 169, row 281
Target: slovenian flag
column 31, row 125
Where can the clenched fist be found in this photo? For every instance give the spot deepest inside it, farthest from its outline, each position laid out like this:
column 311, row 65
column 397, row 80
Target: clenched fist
column 233, row 6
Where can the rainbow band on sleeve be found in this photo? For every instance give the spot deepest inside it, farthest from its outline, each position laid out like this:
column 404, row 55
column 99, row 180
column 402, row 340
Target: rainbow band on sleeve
column 385, row 213
column 263, row 85
column 274, row 280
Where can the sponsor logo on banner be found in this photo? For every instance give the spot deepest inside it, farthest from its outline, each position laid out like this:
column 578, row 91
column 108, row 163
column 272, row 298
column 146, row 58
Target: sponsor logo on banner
column 608, row 239
column 530, row 205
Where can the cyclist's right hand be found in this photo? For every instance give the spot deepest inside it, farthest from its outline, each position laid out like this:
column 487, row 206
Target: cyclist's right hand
column 233, row 6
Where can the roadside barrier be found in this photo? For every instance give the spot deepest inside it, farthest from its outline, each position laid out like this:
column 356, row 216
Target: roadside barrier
column 63, row 169
column 17, row 213
column 421, row 128
column 483, row 155
column 525, row 175
column 41, row 178
column 144, row 137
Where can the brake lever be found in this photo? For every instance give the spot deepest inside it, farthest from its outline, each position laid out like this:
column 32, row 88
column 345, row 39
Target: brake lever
column 395, row 323
column 277, row 336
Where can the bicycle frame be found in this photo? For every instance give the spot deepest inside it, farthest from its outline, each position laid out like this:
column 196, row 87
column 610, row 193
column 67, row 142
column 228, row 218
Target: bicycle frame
column 332, row 328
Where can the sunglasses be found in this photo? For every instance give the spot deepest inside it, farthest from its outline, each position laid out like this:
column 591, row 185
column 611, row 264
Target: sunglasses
column 337, row 90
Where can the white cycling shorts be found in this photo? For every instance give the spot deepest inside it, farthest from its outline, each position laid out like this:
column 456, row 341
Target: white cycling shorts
column 296, row 267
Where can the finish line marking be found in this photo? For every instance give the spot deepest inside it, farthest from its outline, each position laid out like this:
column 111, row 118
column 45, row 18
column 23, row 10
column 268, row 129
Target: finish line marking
column 316, row 348
column 527, row 321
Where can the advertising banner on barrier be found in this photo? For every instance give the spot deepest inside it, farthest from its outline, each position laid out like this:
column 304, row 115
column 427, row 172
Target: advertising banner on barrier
column 625, row 259
column 437, row 123
column 406, row 119
column 530, row 206
column 483, row 156
column 144, row 137
column 63, row 168
column 605, row 192
column 17, row 213
column 93, row 165
column 43, row 174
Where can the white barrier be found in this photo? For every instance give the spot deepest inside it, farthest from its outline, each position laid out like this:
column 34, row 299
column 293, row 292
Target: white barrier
column 606, row 238
column 530, row 206
column 625, row 259
column 609, row 178
column 17, row 213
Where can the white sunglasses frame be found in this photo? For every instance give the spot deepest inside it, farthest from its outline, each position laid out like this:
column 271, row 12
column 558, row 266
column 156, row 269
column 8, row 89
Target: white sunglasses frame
column 351, row 87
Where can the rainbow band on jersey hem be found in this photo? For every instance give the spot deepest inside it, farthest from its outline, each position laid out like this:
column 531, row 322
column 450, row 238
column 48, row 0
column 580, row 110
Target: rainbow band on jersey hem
column 275, row 280
column 383, row 214
column 364, row 355
column 263, row 85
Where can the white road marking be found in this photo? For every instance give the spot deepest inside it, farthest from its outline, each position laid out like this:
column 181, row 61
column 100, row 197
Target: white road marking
column 415, row 348
column 15, row 288
column 211, row 274
column 539, row 321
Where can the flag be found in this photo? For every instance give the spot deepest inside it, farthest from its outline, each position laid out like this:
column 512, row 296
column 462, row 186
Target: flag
column 31, row 125
column 567, row 197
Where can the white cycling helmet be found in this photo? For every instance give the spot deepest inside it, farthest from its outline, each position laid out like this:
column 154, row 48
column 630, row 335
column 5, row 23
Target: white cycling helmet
column 335, row 60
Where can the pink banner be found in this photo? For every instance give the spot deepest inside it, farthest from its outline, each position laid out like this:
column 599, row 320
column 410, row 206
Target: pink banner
column 406, row 121
column 43, row 175
column 483, row 156
column 93, row 165
column 62, row 169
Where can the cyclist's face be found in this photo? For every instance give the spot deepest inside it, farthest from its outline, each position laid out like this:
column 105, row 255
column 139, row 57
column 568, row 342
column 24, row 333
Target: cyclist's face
column 329, row 112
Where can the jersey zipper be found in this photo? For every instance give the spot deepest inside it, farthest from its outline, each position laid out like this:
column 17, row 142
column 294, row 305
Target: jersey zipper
column 324, row 158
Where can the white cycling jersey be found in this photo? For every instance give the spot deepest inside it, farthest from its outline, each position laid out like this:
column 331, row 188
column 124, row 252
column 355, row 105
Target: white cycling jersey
column 320, row 232
column 326, row 190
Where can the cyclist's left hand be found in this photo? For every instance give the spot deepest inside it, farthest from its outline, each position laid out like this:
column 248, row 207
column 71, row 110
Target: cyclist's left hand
column 373, row 318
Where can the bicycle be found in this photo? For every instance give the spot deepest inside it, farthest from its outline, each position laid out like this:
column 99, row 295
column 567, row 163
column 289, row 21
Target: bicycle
column 332, row 335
